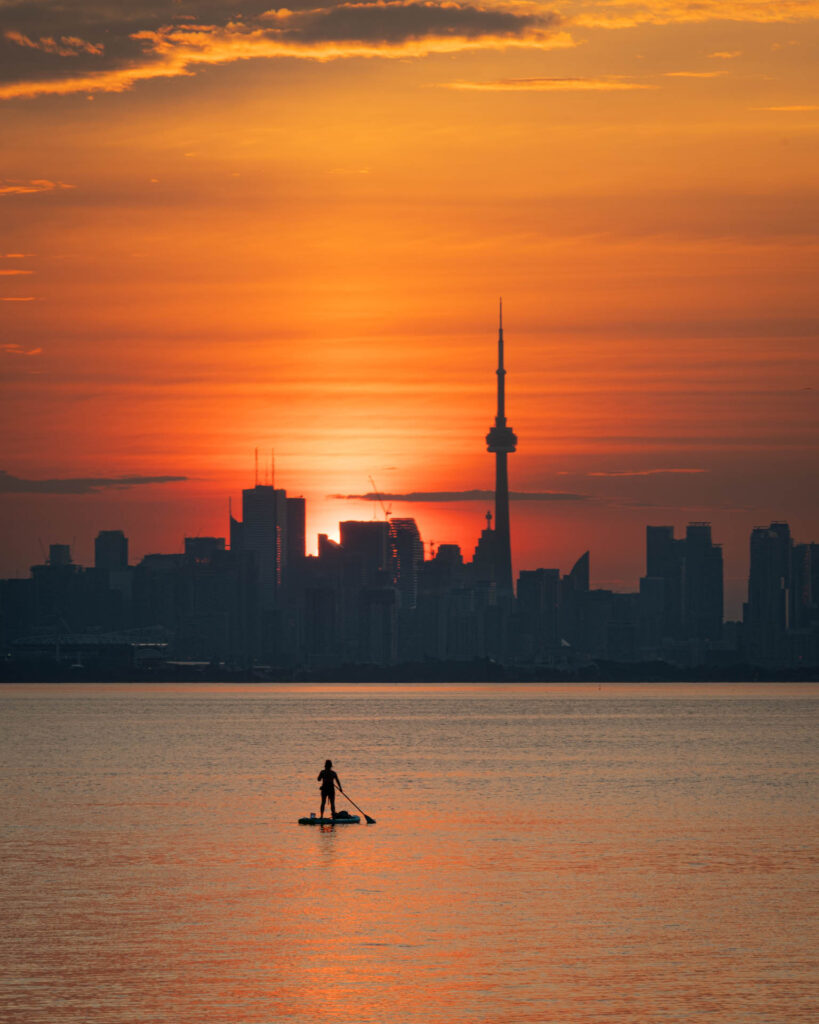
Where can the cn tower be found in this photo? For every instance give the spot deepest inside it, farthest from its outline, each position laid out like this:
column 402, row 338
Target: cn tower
column 501, row 440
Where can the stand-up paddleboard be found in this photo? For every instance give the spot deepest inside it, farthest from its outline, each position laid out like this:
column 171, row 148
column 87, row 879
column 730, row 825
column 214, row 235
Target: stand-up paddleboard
column 341, row 818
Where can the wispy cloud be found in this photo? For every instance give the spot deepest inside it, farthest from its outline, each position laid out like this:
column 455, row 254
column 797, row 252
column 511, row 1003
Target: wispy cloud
column 795, row 108
column 14, row 273
column 77, row 485
column 471, row 495
column 16, row 298
column 63, row 46
column 18, row 350
column 618, row 14
column 725, row 54
column 646, row 472
column 549, row 85
column 694, row 74
column 11, row 187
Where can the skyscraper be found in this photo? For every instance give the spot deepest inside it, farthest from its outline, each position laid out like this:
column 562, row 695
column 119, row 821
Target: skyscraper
column 263, row 533
column 664, row 562
column 685, row 576
column 702, row 594
column 407, row 557
column 501, row 440
column 111, row 550
column 769, row 580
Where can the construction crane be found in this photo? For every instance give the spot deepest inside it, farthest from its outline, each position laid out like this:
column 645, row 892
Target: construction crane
column 387, row 511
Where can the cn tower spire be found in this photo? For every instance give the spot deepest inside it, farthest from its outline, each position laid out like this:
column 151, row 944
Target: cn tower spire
column 502, row 441
column 500, row 419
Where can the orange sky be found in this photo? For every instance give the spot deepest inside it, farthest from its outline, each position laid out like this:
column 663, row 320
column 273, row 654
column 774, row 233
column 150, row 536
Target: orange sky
column 289, row 230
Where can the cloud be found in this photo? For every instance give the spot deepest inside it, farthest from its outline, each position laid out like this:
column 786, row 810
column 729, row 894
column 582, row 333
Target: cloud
column 379, row 28
column 18, row 350
column 150, row 39
column 647, row 472
column 14, row 273
column 795, row 109
column 17, row 298
column 725, row 54
column 77, row 485
column 12, row 187
column 64, row 46
column 394, row 22
column 548, row 85
column 694, row 74
column 473, row 495
column 618, row 14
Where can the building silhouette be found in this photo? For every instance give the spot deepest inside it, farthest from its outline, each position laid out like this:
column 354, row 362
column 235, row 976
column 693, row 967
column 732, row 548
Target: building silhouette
column 683, row 585
column 262, row 533
column 372, row 599
column 111, row 550
column 502, row 441
column 406, row 559
column 766, row 615
column 702, row 579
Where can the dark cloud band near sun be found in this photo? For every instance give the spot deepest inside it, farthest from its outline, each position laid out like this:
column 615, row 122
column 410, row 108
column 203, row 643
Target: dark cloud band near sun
column 74, row 60
column 77, row 485
column 49, row 48
column 469, row 495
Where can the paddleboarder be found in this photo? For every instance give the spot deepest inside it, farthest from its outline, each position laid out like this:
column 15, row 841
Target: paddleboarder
column 329, row 780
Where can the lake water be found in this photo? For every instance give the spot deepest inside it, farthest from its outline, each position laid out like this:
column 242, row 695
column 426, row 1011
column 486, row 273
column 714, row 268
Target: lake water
column 542, row 853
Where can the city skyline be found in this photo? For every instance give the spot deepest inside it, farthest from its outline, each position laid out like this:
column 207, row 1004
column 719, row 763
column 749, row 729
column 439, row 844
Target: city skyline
column 466, row 526
column 500, row 441
column 373, row 597
column 287, row 230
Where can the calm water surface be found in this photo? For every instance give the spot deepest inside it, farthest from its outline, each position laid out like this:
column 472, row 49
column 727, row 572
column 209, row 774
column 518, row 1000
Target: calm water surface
column 542, row 853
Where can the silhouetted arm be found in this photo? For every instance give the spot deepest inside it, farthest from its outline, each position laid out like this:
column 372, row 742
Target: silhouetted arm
column 338, row 783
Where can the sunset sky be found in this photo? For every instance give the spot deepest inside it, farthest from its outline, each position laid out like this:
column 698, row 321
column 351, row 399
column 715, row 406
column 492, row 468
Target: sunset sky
column 237, row 226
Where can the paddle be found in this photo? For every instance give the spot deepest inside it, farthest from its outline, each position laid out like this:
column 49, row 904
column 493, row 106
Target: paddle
column 370, row 821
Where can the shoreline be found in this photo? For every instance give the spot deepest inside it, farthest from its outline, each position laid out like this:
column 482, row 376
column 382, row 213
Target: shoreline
column 484, row 671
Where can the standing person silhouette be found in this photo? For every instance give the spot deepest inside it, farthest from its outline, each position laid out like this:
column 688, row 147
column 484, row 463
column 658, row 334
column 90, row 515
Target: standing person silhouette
column 328, row 779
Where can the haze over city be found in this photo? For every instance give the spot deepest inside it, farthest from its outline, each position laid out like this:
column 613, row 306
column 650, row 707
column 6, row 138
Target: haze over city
column 288, row 230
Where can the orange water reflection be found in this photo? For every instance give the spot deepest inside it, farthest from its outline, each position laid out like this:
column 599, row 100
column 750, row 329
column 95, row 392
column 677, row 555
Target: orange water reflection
column 540, row 855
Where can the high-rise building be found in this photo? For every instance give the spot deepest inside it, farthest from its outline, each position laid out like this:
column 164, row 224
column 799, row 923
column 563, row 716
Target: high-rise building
column 765, row 617
column 263, row 533
column 203, row 550
column 407, row 556
column 502, row 441
column 804, row 610
column 539, row 610
column 296, row 534
column 59, row 555
column 368, row 544
column 574, row 598
column 111, row 550
column 686, row 576
column 483, row 567
column 664, row 562
column 702, row 598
